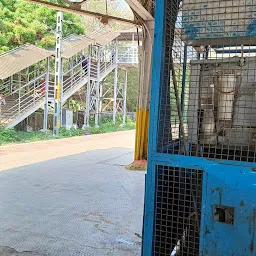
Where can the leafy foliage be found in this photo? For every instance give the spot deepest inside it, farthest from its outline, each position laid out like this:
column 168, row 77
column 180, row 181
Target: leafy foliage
column 132, row 86
column 8, row 136
column 22, row 23
column 132, row 89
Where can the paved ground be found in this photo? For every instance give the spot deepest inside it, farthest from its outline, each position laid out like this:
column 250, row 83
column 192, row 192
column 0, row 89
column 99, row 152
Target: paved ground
column 73, row 197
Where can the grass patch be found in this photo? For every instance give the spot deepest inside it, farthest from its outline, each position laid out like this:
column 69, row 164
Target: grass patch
column 8, row 136
column 137, row 165
column 135, row 168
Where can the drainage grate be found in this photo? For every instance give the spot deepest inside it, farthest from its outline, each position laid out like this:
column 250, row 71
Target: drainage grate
column 178, row 211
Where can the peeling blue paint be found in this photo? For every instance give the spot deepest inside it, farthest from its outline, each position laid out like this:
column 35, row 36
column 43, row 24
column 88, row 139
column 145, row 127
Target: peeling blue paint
column 251, row 29
column 191, row 31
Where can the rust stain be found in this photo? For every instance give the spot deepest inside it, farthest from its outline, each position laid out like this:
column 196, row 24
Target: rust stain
column 242, row 203
column 252, row 226
column 252, row 246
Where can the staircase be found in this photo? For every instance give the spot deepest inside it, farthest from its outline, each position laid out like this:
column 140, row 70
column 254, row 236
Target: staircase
column 21, row 103
column 28, row 97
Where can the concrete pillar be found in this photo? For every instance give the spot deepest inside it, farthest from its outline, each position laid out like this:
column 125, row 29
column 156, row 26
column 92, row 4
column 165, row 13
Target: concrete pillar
column 142, row 113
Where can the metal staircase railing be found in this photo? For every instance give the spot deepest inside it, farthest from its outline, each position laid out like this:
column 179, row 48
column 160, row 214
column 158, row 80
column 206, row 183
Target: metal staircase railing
column 105, row 64
column 75, row 78
column 128, row 54
column 22, row 101
column 30, row 96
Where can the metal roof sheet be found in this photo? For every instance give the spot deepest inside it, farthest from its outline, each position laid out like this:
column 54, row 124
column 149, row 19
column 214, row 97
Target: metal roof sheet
column 104, row 36
column 73, row 44
column 20, row 58
column 129, row 35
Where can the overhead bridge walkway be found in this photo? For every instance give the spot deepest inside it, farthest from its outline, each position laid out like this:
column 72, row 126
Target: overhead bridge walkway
column 27, row 78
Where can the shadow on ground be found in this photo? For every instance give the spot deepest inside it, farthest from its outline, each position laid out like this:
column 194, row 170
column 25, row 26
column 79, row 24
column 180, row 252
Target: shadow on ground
column 84, row 204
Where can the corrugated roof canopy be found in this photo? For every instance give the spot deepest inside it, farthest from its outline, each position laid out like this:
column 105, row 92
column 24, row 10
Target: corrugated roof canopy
column 129, row 35
column 73, row 44
column 104, row 36
column 18, row 59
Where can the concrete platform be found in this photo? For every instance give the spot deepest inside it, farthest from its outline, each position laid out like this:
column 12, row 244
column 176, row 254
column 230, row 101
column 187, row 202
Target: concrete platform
column 79, row 202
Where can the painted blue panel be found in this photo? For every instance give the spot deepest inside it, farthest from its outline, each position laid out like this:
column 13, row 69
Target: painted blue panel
column 251, row 29
column 223, row 186
column 233, row 187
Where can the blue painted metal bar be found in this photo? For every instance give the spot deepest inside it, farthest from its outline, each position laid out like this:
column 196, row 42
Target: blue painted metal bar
column 158, row 61
column 200, row 163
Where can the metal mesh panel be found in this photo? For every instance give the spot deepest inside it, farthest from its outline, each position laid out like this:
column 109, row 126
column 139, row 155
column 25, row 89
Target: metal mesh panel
column 178, row 211
column 208, row 89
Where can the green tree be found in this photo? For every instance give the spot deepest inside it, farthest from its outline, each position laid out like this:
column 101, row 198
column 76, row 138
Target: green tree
column 132, row 86
column 22, row 23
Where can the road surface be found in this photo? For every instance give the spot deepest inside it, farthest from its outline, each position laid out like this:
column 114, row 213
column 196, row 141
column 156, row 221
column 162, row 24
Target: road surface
column 71, row 197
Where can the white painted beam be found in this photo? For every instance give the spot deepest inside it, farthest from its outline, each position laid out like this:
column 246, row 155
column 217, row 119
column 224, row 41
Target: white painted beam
column 140, row 10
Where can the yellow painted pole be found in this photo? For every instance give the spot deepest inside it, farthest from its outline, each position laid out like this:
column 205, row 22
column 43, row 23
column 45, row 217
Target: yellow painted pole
column 58, row 92
column 142, row 113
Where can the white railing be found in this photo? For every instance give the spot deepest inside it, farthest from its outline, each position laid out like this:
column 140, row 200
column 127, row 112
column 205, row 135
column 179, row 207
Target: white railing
column 23, row 98
column 32, row 94
column 103, row 65
column 128, row 54
column 107, row 61
column 74, row 76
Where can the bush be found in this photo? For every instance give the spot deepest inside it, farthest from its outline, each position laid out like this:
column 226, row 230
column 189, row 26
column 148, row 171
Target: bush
column 11, row 135
column 8, row 135
column 65, row 133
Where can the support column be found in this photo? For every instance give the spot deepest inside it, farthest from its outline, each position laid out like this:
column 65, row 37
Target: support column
column 46, row 108
column 88, row 93
column 101, row 88
column 142, row 113
column 115, row 82
column 58, row 78
column 98, row 88
column 125, row 96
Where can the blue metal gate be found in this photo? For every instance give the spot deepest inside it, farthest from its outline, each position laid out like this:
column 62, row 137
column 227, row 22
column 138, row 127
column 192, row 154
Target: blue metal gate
column 200, row 183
